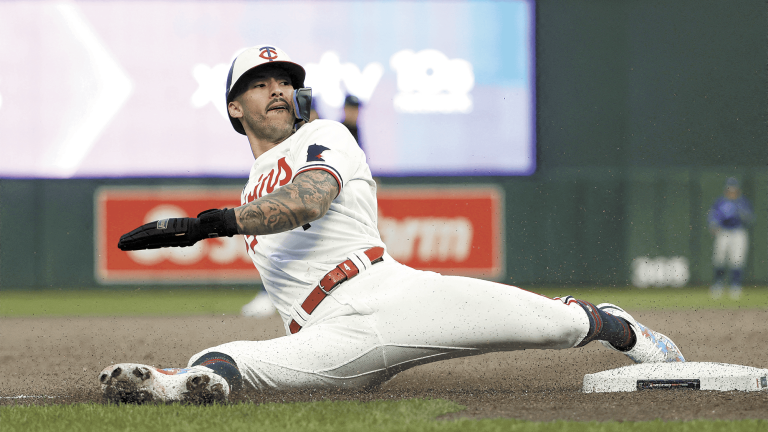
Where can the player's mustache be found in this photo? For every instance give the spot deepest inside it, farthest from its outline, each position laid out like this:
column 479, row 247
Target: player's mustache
column 277, row 101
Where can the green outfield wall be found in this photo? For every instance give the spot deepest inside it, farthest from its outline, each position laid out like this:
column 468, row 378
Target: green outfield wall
column 644, row 108
column 574, row 226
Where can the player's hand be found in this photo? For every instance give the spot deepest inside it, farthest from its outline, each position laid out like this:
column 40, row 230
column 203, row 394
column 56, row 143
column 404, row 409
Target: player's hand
column 180, row 232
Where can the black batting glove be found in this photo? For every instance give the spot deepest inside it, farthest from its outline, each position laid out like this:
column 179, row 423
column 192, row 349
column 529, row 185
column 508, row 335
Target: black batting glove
column 180, row 232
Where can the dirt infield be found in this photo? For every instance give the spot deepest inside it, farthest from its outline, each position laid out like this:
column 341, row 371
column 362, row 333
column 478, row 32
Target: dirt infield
column 59, row 358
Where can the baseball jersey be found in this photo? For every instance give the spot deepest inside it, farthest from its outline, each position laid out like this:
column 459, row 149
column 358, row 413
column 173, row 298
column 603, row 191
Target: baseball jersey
column 293, row 262
column 730, row 214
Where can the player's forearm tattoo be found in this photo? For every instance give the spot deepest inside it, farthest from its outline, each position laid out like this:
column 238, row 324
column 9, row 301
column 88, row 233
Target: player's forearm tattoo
column 303, row 201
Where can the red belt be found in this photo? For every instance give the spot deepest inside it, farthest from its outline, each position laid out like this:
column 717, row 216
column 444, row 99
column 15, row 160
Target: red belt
column 344, row 271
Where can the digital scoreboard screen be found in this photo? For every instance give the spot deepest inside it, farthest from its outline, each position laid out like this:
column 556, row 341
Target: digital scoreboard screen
column 136, row 89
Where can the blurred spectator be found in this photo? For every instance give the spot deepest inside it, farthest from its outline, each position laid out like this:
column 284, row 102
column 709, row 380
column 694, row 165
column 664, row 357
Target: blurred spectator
column 728, row 219
column 313, row 115
column 260, row 307
column 351, row 112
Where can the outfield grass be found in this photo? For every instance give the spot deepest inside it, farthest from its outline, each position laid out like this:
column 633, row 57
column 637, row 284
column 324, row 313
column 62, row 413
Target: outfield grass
column 401, row 415
column 167, row 301
column 148, row 302
column 689, row 298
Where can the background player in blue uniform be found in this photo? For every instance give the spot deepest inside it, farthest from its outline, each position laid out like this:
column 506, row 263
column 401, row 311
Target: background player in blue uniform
column 728, row 219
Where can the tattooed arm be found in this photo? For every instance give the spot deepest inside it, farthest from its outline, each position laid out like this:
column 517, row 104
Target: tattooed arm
column 293, row 205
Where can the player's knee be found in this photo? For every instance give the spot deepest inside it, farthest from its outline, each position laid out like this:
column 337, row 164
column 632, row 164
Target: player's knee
column 223, row 365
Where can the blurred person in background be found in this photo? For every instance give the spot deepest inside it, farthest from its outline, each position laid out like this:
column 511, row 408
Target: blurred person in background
column 260, row 307
column 313, row 114
column 351, row 113
column 728, row 220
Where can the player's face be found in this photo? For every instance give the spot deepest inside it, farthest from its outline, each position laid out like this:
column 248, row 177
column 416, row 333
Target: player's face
column 732, row 192
column 265, row 108
column 351, row 113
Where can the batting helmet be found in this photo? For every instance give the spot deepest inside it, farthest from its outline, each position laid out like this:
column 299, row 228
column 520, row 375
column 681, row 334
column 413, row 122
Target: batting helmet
column 249, row 60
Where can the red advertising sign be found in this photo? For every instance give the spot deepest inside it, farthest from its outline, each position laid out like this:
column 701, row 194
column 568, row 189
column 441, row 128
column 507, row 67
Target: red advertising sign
column 450, row 230
column 119, row 210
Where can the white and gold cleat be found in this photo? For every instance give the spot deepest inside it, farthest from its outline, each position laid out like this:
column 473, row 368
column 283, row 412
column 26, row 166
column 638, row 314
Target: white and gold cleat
column 137, row 383
column 651, row 346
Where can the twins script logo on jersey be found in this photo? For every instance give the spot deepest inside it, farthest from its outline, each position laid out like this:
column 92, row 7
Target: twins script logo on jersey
column 279, row 176
column 268, row 53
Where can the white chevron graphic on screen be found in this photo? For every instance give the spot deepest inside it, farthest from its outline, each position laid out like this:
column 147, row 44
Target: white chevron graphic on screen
column 109, row 89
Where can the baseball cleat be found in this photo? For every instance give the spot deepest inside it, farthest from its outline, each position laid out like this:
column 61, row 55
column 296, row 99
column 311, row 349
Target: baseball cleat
column 137, row 383
column 651, row 346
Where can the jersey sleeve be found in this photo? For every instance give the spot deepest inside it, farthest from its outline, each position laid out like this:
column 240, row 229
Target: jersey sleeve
column 330, row 147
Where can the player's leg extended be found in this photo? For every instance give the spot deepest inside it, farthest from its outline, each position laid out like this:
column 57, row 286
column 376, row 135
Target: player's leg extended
column 337, row 348
column 343, row 352
column 424, row 308
column 340, row 351
column 470, row 314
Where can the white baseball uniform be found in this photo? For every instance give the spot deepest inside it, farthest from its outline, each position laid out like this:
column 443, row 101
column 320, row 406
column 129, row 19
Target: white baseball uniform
column 387, row 318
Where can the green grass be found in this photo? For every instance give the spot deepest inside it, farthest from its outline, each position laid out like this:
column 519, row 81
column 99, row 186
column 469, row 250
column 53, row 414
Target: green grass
column 168, row 301
column 123, row 303
column 631, row 298
column 401, row 415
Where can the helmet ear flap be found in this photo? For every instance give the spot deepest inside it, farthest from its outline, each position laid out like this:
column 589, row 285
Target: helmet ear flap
column 302, row 103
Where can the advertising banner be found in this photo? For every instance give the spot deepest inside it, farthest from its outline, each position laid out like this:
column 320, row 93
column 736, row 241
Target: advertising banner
column 449, row 230
column 454, row 230
column 119, row 210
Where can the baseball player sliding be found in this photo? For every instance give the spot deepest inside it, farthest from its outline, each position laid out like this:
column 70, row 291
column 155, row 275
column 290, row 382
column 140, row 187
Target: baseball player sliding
column 354, row 317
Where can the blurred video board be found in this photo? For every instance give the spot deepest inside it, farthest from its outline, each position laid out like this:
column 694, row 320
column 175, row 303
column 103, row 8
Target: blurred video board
column 136, row 88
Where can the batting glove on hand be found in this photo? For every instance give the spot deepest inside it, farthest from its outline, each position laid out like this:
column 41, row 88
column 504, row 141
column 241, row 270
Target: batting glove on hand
column 181, row 232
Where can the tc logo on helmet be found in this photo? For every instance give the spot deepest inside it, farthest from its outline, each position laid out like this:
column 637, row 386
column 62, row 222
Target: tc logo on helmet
column 268, row 53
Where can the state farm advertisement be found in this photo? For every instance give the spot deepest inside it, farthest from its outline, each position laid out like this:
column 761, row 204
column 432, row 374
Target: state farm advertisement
column 450, row 230
column 119, row 210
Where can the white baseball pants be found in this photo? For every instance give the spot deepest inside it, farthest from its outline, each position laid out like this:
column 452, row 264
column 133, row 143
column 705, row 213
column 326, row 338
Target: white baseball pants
column 393, row 317
column 730, row 249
